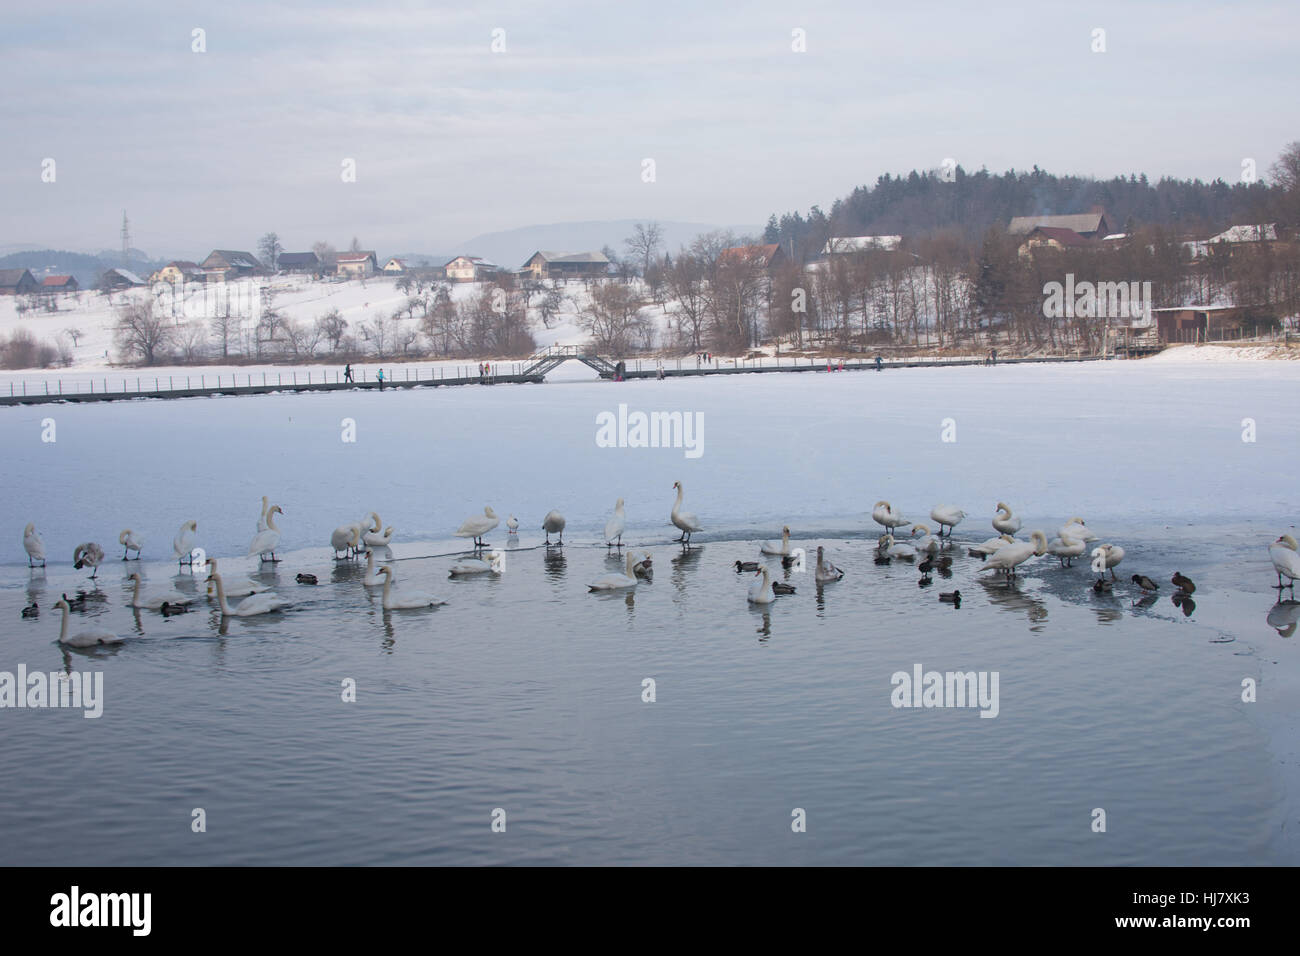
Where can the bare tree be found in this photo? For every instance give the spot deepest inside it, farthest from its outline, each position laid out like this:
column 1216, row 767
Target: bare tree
column 303, row 339
column 327, row 255
column 140, row 333
column 552, row 302
column 1285, row 173
column 192, row 339
column 689, row 287
column 614, row 317
column 644, row 242
column 270, row 248
column 73, row 334
column 333, row 326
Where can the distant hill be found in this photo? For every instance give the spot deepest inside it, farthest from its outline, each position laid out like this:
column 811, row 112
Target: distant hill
column 513, row 246
column 922, row 204
column 85, row 268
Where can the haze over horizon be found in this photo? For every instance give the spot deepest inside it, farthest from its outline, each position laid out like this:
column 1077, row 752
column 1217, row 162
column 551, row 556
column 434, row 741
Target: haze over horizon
column 452, row 140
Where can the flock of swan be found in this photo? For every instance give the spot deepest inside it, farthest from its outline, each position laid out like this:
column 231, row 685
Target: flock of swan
column 1004, row 553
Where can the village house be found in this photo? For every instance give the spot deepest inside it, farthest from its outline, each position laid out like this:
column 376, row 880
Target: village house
column 395, row 266
column 1233, row 238
column 17, row 282
column 53, row 285
column 855, row 245
column 354, row 264
column 1200, row 323
column 115, row 279
column 179, row 272
column 299, row 263
column 225, row 264
column 1052, row 237
column 545, row 264
column 469, row 269
column 1089, row 225
column 769, row 257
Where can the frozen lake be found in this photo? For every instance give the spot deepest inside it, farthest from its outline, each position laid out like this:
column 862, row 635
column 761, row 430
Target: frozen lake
column 524, row 692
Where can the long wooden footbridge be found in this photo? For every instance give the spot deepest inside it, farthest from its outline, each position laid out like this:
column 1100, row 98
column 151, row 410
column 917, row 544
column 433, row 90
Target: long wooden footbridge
column 533, row 370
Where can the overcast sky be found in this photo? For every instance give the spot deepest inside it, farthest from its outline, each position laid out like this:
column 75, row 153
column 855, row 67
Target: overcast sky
column 451, row 139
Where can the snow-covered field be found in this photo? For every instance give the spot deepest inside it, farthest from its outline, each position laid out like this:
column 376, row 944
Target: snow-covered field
column 299, row 299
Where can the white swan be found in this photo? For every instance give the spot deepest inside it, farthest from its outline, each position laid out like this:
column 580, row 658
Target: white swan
column 644, row 565
column 888, row 547
column 615, row 525
column 265, row 542
column 826, row 571
column 985, row 548
column 183, row 543
column 553, row 523
column 264, row 602
column 88, row 555
column 760, row 592
column 261, row 521
column 33, row 545
column 617, row 582
column 478, row 525
column 129, row 542
column 947, row 516
column 928, row 544
column 1066, row 548
column 404, row 601
column 494, row 564
column 87, row 635
column 783, row 548
column 156, row 600
column 1075, row 528
column 238, row 587
column 684, row 520
column 1286, row 562
column 378, row 539
column 1107, row 556
column 1004, row 522
column 344, row 538
column 512, row 525
column 884, row 514
column 1007, row 558
column 371, row 579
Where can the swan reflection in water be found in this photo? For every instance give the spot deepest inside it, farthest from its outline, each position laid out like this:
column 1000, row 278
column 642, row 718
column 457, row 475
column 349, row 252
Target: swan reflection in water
column 554, row 563
column 683, row 562
column 1284, row 616
column 1008, row 596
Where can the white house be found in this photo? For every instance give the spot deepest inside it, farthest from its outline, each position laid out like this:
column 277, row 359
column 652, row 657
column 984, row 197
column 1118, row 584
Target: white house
column 357, row 264
column 394, row 266
column 850, row 245
column 469, row 269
